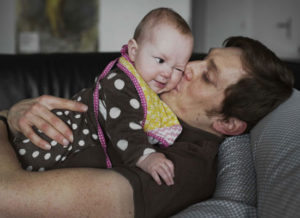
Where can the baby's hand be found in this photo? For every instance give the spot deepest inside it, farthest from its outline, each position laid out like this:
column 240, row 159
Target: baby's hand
column 157, row 165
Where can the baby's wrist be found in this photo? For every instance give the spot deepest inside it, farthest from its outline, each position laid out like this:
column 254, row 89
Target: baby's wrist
column 143, row 157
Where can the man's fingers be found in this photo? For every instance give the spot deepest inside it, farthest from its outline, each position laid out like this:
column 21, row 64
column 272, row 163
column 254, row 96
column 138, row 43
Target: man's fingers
column 49, row 124
column 33, row 137
column 52, row 102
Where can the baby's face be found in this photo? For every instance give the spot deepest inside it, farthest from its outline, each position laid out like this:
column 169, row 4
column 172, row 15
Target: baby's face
column 162, row 56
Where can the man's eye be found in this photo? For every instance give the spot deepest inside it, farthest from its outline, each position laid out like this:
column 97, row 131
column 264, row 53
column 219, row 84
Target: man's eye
column 159, row 60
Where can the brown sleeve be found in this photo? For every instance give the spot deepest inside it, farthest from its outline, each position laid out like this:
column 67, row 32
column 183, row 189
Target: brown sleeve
column 121, row 114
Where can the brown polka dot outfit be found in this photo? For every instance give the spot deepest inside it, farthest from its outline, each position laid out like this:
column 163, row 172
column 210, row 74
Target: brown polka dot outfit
column 120, row 116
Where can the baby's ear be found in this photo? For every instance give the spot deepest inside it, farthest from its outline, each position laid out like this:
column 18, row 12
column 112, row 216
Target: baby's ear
column 132, row 49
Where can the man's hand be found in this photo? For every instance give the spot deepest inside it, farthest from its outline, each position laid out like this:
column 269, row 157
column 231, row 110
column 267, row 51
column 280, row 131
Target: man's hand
column 157, row 165
column 36, row 112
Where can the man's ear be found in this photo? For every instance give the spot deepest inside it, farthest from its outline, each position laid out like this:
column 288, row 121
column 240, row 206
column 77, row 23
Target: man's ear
column 132, row 49
column 231, row 126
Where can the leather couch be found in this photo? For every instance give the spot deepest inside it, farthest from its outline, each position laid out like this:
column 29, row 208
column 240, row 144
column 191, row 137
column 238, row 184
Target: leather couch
column 63, row 74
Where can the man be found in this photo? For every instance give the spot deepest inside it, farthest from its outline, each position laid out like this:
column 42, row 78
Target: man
column 225, row 94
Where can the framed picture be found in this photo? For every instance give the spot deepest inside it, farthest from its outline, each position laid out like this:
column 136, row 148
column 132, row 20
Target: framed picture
column 48, row 26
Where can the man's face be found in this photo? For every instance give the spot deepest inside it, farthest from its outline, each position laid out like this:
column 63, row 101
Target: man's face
column 202, row 86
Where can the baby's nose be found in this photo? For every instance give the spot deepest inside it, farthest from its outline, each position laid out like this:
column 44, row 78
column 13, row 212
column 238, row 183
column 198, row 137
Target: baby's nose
column 167, row 72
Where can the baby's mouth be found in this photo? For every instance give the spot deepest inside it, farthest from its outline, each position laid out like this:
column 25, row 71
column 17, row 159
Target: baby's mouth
column 160, row 84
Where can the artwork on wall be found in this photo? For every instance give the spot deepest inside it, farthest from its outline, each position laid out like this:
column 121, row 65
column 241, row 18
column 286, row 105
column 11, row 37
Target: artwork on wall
column 47, row 26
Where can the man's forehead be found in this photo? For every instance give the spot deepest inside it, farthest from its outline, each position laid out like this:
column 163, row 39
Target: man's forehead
column 232, row 50
column 228, row 63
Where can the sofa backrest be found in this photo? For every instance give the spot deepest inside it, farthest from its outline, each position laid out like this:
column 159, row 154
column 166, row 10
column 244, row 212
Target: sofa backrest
column 275, row 142
column 59, row 74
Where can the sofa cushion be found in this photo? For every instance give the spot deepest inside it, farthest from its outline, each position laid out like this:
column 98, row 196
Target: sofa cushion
column 235, row 194
column 275, row 141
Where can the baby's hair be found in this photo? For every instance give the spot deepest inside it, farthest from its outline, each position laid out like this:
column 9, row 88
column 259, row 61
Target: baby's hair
column 161, row 16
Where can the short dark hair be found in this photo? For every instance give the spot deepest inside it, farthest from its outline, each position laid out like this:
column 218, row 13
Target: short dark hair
column 160, row 16
column 268, row 82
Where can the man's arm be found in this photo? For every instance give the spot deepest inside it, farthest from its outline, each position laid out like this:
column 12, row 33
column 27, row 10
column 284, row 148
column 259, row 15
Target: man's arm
column 60, row 193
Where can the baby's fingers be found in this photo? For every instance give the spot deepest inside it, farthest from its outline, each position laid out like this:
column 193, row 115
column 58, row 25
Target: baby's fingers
column 170, row 167
column 166, row 174
column 156, row 178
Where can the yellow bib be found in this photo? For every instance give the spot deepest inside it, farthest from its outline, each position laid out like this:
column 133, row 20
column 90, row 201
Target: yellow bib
column 160, row 121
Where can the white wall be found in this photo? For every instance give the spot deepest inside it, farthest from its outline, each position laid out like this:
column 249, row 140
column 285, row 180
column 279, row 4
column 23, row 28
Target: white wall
column 224, row 19
column 118, row 18
column 7, row 26
column 266, row 22
column 258, row 19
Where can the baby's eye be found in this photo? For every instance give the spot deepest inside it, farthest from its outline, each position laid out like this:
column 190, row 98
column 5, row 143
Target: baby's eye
column 159, row 60
column 180, row 70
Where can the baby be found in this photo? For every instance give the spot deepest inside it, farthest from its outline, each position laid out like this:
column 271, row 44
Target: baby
column 125, row 113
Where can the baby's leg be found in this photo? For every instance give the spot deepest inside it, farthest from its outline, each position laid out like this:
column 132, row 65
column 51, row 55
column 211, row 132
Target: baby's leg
column 34, row 158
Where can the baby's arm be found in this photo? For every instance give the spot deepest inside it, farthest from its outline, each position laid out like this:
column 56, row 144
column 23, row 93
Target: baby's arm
column 157, row 165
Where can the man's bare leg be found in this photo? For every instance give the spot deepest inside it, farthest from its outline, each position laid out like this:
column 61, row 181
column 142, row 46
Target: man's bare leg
column 60, row 193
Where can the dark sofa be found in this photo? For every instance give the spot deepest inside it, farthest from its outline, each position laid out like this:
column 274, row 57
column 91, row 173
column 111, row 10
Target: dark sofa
column 258, row 173
column 26, row 76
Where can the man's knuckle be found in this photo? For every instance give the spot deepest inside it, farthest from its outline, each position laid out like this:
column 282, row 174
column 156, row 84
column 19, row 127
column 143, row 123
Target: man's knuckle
column 35, row 107
column 43, row 98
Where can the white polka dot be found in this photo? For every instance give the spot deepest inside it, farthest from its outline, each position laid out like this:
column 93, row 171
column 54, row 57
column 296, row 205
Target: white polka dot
column 41, row 169
column 119, row 84
column 76, row 151
column 152, row 140
column 58, row 157
column 114, row 112
column 26, row 141
column 81, row 143
column 39, row 131
column 74, row 126
column 63, row 158
column 134, row 103
column 29, row 168
column 86, row 131
column 148, row 151
column 35, row 154
column 67, row 113
column 79, row 98
column 95, row 136
column 77, row 116
column 134, row 126
column 122, row 144
column 102, row 109
column 70, row 148
column 69, row 122
column 53, row 143
column 112, row 75
column 47, row 156
column 99, row 86
column 22, row 151
column 59, row 113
